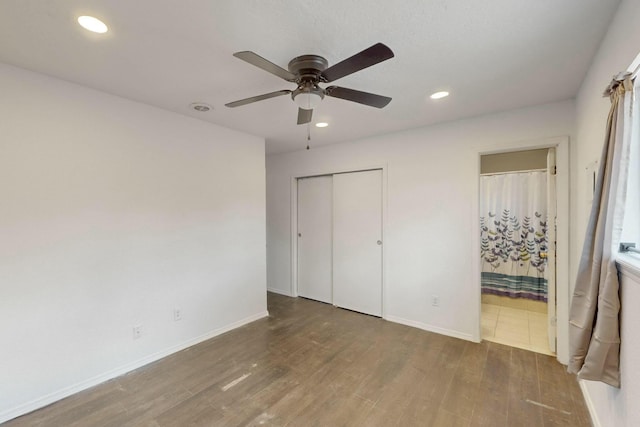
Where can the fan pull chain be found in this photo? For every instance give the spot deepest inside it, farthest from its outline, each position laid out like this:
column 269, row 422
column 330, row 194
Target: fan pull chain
column 308, row 134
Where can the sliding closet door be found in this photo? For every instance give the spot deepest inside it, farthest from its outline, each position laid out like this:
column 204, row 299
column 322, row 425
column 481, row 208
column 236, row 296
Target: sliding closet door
column 357, row 241
column 314, row 238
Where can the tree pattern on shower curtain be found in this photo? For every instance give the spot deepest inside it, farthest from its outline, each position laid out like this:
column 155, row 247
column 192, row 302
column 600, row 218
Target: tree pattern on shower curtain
column 506, row 241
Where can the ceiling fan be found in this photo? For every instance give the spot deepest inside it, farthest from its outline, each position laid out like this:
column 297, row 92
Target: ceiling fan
column 307, row 71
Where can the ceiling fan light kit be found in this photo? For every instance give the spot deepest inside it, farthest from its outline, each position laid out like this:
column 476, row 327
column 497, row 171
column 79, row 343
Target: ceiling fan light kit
column 307, row 98
column 307, row 71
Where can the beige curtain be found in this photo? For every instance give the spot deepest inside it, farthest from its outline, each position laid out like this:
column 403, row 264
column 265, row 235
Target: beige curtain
column 594, row 332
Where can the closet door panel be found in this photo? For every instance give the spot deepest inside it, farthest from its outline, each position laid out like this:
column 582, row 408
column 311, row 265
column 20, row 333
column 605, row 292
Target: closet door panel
column 357, row 241
column 315, row 238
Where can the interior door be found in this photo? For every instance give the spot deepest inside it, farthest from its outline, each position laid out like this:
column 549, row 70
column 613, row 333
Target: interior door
column 551, row 253
column 357, row 242
column 315, row 238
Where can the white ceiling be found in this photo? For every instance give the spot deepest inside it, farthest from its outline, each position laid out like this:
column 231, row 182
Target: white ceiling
column 491, row 55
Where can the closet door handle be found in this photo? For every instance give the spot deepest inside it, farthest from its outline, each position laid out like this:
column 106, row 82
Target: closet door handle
column 379, row 242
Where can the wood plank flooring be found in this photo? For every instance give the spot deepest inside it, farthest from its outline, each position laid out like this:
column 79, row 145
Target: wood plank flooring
column 311, row 364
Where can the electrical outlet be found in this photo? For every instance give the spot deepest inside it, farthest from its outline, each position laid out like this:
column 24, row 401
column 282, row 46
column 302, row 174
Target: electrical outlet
column 435, row 300
column 137, row 331
column 177, row 314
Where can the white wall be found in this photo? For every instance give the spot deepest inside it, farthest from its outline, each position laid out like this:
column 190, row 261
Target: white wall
column 431, row 192
column 619, row 48
column 112, row 214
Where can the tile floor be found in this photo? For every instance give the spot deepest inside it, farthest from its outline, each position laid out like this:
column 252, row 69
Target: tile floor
column 516, row 328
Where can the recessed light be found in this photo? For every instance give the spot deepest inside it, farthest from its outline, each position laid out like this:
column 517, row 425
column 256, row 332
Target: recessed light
column 322, row 125
column 439, row 95
column 92, row 24
column 201, row 107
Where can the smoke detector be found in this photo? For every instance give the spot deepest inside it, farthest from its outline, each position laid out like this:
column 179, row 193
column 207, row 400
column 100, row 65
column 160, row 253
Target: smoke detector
column 201, row 107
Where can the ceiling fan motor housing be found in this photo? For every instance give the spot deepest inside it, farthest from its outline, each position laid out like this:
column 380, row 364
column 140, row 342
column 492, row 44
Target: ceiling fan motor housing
column 308, row 69
column 308, row 66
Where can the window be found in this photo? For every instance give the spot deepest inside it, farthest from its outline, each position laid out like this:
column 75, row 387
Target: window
column 631, row 224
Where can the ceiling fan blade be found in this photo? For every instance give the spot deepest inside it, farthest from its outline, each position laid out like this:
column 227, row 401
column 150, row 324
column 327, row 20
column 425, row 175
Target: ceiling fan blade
column 257, row 98
column 304, row 116
column 260, row 62
column 365, row 98
column 368, row 57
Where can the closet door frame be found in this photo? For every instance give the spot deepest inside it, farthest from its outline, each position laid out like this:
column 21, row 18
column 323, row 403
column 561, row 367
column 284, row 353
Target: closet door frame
column 294, row 221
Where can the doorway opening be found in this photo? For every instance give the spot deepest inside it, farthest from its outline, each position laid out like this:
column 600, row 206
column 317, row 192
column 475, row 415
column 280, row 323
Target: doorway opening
column 518, row 249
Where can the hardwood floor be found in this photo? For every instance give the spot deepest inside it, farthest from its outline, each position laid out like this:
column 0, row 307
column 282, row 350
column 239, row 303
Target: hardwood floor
column 311, row 364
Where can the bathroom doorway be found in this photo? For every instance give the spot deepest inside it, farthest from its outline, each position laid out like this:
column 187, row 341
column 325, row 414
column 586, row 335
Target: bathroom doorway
column 517, row 246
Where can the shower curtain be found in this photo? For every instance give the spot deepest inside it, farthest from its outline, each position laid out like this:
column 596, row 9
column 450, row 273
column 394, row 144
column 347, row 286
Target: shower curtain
column 513, row 224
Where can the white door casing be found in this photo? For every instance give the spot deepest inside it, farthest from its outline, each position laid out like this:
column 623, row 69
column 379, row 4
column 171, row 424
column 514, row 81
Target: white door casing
column 561, row 144
column 551, row 252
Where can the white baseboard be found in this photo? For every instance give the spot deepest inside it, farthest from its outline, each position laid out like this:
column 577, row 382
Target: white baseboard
column 98, row 379
column 595, row 421
column 431, row 328
column 279, row 291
